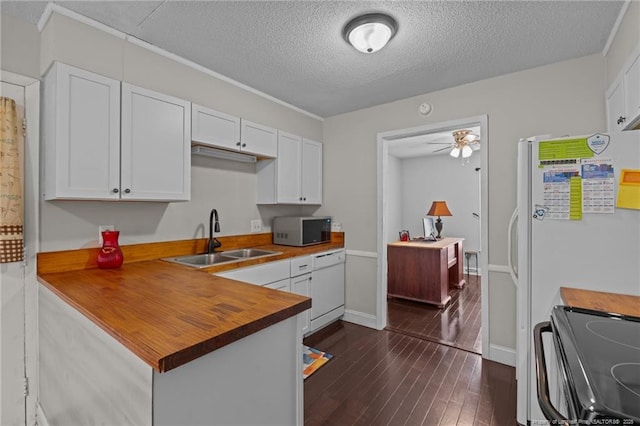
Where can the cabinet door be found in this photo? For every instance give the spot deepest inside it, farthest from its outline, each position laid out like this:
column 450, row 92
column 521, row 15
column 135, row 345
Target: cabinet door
column 288, row 167
column 282, row 285
column 258, row 139
column 81, row 140
column 214, row 128
column 302, row 285
column 311, row 173
column 616, row 119
column 156, row 146
column 631, row 79
column 262, row 274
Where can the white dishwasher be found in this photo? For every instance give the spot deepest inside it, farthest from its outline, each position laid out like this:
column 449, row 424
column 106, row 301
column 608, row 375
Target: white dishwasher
column 327, row 287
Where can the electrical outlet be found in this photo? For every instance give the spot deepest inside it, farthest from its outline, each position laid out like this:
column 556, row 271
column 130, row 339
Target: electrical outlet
column 256, row 225
column 104, row 228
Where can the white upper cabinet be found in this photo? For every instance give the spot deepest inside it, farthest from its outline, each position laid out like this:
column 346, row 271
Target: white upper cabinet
column 155, row 146
column 631, row 79
column 288, row 169
column 615, row 107
column 311, row 173
column 623, row 97
column 81, row 138
column 221, row 130
column 295, row 177
column 214, row 128
column 106, row 140
column 258, row 139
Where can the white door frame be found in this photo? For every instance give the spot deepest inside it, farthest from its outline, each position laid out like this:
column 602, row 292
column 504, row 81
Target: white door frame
column 384, row 139
column 31, row 231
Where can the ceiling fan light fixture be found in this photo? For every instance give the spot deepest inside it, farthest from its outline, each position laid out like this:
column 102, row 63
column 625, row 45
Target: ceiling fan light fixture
column 465, row 142
column 371, row 32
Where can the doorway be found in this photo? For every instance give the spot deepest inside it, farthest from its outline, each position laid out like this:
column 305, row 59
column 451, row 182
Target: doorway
column 390, row 217
column 19, row 290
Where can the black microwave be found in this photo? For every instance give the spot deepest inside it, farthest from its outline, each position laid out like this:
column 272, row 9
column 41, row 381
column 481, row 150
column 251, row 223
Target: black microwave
column 301, row 230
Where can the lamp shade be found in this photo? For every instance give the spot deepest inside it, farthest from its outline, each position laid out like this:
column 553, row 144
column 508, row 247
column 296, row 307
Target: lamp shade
column 439, row 208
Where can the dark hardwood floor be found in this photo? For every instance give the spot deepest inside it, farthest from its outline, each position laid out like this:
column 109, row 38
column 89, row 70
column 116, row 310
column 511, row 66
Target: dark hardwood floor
column 424, row 368
column 458, row 324
column 388, row 378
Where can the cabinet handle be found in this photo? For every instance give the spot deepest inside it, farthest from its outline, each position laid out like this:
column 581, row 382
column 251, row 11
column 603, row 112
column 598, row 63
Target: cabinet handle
column 621, row 120
column 244, row 144
column 304, row 199
column 126, row 191
column 238, row 143
column 115, row 190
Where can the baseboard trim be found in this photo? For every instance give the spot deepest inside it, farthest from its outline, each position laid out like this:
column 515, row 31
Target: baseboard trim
column 360, row 318
column 502, row 354
column 360, row 253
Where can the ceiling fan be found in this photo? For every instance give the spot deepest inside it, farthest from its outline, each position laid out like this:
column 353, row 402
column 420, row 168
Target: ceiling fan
column 464, row 142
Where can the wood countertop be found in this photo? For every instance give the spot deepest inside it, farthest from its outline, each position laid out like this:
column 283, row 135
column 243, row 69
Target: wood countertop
column 169, row 314
column 439, row 244
column 623, row 304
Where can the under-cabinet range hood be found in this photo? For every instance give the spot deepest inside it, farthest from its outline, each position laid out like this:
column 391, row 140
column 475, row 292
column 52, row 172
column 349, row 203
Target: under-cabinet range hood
column 221, row 153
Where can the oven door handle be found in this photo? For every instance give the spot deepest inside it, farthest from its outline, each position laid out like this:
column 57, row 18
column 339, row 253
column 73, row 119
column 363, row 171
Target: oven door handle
column 549, row 411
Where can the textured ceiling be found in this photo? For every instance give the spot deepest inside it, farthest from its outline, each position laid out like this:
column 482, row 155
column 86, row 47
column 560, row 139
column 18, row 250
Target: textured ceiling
column 294, row 50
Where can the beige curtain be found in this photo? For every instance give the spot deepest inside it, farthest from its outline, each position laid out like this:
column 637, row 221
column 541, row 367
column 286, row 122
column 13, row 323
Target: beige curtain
column 11, row 184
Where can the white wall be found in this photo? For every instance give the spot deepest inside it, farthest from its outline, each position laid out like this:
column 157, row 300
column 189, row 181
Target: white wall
column 227, row 186
column 626, row 39
column 441, row 177
column 20, row 47
column 562, row 98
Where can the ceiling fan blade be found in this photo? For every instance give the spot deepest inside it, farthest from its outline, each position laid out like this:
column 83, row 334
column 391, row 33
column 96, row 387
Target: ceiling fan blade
column 442, row 149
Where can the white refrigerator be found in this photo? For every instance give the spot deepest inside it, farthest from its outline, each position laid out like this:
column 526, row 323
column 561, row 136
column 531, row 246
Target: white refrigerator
column 570, row 231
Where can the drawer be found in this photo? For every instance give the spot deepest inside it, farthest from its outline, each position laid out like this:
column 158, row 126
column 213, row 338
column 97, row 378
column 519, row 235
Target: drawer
column 261, row 274
column 300, row 265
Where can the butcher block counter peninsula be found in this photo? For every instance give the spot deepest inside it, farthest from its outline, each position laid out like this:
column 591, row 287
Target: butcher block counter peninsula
column 155, row 342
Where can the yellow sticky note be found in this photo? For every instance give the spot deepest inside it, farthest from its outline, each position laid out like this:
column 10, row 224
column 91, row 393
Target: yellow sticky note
column 629, row 189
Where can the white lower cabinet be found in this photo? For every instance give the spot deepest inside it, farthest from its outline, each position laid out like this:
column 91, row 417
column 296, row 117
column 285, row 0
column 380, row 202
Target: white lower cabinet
column 88, row 377
column 282, row 285
column 291, row 275
column 262, row 275
column 302, row 285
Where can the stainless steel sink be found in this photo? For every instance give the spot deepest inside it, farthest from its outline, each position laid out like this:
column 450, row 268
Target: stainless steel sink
column 249, row 253
column 202, row 260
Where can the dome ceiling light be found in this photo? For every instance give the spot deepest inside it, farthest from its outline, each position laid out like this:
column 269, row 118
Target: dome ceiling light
column 371, row 32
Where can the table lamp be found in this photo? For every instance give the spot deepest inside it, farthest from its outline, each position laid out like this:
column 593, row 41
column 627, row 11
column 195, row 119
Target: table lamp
column 439, row 208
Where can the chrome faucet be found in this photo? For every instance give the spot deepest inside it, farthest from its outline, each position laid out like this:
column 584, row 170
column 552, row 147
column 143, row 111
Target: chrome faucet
column 213, row 243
